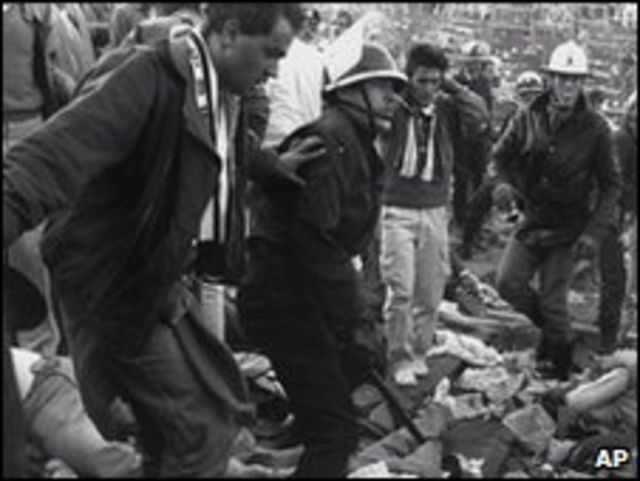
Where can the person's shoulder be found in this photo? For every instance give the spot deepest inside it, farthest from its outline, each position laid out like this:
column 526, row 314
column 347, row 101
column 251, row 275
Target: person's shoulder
column 153, row 30
column 598, row 122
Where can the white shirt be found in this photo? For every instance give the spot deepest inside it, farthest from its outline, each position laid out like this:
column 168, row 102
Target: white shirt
column 295, row 95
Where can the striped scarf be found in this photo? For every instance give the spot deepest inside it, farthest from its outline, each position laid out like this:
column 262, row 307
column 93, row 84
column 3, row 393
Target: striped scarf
column 419, row 154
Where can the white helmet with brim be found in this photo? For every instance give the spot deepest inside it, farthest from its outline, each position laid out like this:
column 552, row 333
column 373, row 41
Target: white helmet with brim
column 375, row 63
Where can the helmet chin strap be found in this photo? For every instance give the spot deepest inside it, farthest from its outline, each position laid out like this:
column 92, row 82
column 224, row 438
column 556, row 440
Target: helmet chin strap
column 370, row 114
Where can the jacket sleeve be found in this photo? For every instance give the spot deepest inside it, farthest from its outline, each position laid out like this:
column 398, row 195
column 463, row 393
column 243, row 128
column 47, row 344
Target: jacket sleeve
column 609, row 181
column 327, row 266
column 46, row 171
column 262, row 162
column 472, row 111
column 507, row 151
column 626, row 155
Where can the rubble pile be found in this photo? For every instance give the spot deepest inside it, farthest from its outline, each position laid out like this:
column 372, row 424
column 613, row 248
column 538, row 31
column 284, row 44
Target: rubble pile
column 481, row 412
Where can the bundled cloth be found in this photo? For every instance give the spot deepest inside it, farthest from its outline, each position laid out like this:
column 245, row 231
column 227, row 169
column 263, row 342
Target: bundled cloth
column 470, row 349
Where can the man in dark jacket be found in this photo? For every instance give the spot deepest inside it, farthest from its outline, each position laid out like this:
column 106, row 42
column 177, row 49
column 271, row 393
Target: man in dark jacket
column 472, row 155
column 129, row 168
column 612, row 270
column 301, row 301
column 528, row 86
column 551, row 154
column 438, row 112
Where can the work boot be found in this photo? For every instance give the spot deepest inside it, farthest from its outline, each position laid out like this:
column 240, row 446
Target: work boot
column 608, row 342
column 562, row 358
column 543, row 352
column 559, row 362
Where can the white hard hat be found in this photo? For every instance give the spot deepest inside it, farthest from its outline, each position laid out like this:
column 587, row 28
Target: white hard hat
column 476, row 50
column 529, row 81
column 569, row 59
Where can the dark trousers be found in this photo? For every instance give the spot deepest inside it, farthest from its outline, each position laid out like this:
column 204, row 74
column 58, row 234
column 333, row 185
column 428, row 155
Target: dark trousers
column 478, row 211
column 613, row 279
column 183, row 430
column 465, row 184
column 547, row 306
column 307, row 361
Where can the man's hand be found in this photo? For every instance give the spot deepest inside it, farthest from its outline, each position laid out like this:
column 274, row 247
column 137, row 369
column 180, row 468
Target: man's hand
column 586, row 247
column 503, row 196
column 298, row 154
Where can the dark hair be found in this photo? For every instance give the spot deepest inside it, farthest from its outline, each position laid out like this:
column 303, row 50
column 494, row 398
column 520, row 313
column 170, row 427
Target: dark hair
column 426, row 55
column 254, row 18
column 169, row 8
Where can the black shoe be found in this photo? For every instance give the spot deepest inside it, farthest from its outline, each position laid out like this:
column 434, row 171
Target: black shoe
column 556, row 360
column 562, row 358
column 608, row 342
column 543, row 352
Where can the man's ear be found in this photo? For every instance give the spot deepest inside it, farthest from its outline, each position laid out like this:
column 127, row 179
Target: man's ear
column 229, row 33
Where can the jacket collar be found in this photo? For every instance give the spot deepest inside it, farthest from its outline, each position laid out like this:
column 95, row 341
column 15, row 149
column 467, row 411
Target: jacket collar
column 179, row 49
column 544, row 99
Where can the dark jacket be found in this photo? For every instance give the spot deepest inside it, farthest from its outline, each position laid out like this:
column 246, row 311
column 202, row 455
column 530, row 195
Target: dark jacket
column 555, row 171
column 460, row 115
column 127, row 169
column 471, row 156
column 301, row 242
column 626, row 149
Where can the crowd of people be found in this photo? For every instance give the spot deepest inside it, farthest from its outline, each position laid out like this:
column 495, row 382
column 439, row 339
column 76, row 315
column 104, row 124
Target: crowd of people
column 165, row 165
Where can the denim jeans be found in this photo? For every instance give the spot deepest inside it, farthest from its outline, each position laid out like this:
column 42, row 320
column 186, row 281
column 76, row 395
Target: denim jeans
column 58, row 422
column 547, row 306
column 415, row 267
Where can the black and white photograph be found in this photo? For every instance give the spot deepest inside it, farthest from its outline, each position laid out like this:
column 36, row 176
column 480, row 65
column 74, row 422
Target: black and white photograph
column 319, row 240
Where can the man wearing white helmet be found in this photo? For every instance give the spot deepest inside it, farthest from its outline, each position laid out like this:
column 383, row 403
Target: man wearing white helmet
column 301, row 300
column 551, row 155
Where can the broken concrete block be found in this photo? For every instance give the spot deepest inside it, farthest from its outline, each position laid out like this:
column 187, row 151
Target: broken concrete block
column 381, row 416
column 496, row 382
column 423, row 462
column 532, row 426
column 366, row 397
column 559, row 450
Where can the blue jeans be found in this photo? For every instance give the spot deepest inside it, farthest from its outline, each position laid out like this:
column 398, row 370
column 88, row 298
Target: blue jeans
column 547, row 306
